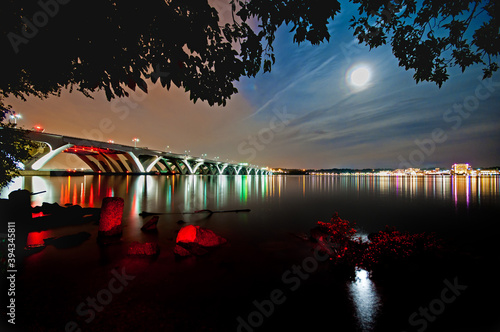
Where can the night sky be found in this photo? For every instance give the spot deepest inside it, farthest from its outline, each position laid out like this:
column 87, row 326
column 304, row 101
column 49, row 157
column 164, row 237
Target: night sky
column 306, row 113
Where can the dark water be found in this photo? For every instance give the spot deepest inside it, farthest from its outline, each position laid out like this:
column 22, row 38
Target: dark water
column 221, row 290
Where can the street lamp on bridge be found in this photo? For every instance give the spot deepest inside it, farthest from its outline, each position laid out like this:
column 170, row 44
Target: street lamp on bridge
column 135, row 140
column 16, row 116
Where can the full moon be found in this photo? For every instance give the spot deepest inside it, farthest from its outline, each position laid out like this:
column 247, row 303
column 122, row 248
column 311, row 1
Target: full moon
column 360, row 76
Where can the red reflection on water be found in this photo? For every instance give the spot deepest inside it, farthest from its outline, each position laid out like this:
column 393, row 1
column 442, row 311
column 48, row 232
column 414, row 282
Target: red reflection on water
column 99, row 185
column 75, row 195
column 62, row 193
column 38, row 214
column 82, row 194
column 134, row 205
column 91, row 195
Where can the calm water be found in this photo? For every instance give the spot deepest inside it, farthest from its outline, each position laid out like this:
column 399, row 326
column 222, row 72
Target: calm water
column 291, row 202
column 261, row 245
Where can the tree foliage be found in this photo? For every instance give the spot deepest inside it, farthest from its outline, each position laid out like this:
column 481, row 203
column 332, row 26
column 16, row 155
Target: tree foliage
column 431, row 36
column 15, row 148
column 118, row 46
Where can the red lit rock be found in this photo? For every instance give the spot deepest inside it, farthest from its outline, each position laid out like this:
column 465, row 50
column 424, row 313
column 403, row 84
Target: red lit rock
column 202, row 236
column 143, row 249
column 151, row 225
column 110, row 223
column 186, row 234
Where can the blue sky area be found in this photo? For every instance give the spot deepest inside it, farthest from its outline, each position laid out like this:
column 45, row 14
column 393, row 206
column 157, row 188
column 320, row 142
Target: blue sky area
column 377, row 125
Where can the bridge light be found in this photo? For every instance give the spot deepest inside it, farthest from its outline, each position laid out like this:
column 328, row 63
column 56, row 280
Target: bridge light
column 38, row 128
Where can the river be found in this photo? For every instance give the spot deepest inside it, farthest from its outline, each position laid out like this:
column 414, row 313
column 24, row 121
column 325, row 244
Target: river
column 225, row 289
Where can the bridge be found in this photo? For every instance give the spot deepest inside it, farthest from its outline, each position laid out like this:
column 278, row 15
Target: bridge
column 105, row 157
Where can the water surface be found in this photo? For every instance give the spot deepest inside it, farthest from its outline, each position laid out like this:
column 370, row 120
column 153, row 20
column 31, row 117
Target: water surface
column 222, row 286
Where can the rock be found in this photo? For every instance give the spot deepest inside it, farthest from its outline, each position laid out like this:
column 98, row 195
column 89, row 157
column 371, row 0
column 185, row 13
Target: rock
column 302, row 236
column 318, row 234
column 151, row 225
column 181, row 251
column 197, row 250
column 110, row 223
column 20, row 206
column 202, row 236
column 51, row 208
column 143, row 249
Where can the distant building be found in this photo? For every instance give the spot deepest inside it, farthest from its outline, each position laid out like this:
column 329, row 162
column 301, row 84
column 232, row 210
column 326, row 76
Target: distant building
column 461, row 169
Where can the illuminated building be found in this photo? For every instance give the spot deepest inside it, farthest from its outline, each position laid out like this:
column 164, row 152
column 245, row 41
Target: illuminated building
column 458, row 169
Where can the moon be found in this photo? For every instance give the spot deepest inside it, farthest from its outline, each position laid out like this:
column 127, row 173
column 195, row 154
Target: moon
column 360, row 76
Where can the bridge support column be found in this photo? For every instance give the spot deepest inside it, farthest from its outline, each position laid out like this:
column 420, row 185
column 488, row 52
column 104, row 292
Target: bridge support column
column 192, row 170
column 221, row 170
column 134, row 162
column 237, row 169
column 39, row 163
column 150, row 163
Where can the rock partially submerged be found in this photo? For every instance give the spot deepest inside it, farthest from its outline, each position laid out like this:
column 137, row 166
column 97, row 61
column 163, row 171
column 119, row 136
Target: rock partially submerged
column 151, row 225
column 143, row 249
column 192, row 240
column 110, row 223
column 199, row 235
column 180, row 251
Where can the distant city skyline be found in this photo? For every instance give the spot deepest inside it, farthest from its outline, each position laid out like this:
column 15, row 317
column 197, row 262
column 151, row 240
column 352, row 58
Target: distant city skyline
column 336, row 105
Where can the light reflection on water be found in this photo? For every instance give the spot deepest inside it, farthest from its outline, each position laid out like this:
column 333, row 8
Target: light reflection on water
column 199, row 190
column 215, row 192
column 280, row 205
column 366, row 300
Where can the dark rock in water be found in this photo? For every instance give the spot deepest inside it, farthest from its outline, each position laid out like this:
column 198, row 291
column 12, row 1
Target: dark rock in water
column 20, row 206
column 302, row 236
column 188, row 249
column 196, row 249
column 181, row 251
column 143, row 249
column 202, row 236
column 151, row 225
column 68, row 241
column 30, row 250
column 317, row 234
column 181, row 222
column 51, row 208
